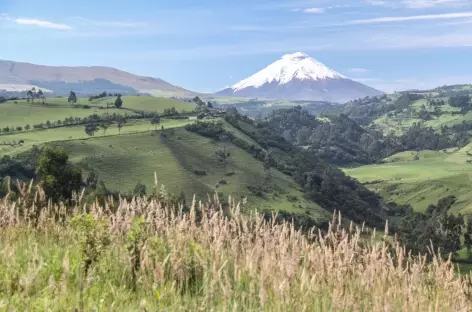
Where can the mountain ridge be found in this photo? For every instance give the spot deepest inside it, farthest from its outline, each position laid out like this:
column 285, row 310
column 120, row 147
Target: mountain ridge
column 24, row 73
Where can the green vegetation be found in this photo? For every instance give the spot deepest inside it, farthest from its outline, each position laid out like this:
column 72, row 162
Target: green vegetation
column 9, row 144
column 57, row 177
column 122, row 154
column 121, row 240
column 141, row 255
column 438, row 108
column 421, row 182
column 21, row 112
column 184, row 161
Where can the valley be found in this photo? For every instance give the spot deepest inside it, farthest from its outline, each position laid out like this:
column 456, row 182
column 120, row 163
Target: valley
column 402, row 159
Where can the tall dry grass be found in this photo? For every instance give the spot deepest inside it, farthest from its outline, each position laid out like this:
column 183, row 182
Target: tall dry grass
column 208, row 262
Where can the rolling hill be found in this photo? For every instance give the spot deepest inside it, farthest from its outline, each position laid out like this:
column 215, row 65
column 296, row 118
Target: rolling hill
column 422, row 178
column 81, row 79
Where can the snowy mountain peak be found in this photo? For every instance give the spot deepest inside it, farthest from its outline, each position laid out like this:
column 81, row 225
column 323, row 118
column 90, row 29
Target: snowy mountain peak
column 294, row 56
column 290, row 67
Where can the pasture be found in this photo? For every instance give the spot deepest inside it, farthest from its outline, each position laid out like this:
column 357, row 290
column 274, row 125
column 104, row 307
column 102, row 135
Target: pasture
column 421, row 182
column 22, row 113
column 9, row 143
column 184, row 161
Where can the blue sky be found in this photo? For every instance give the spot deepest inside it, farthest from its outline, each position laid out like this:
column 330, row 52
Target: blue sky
column 210, row 44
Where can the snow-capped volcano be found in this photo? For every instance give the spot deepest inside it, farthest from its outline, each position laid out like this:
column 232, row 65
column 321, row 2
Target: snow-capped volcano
column 291, row 66
column 297, row 76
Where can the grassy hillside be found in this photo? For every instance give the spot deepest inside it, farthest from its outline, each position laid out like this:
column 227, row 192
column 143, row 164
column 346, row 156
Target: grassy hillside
column 148, row 103
column 30, row 138
column 139, row 258
column 396, row 112
column 421, row 182
column 21, row 113
column 122, row 161
column 182, row 161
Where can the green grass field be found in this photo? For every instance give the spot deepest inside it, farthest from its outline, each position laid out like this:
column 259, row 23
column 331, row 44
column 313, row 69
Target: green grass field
column 31, row 138
column 21, row 113
column 122, row 161
column 422, row 182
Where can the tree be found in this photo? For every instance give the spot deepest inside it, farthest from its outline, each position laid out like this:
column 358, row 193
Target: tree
column 437, row 226
column 104, row 127
column 27, row 127
column 91, row 129
column 459, row 101
column 155, row 121
column 198, row 101
column 170, row 111
column 41, row 95
column 57, row 176
column 118, row 102
column 209, row 104
column 223, row 153
column 72, row 97
column 139, row 189
column 468, row 237
column 30, row 95
column 92, row 180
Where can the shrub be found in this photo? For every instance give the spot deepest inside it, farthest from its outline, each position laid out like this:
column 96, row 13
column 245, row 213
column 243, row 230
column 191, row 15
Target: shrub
column 200, row 172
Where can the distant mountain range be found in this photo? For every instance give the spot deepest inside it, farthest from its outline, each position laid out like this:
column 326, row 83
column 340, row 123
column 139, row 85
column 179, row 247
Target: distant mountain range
column 297, row 76
column 293, row 77
column 17, row 77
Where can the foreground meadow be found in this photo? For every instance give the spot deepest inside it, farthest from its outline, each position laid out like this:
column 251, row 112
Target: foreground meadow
column 142, row 255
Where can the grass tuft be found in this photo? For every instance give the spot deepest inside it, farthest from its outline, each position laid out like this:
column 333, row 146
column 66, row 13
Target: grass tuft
column 149, row 257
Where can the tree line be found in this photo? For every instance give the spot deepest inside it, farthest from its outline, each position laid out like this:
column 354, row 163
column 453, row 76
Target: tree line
column 343, row 141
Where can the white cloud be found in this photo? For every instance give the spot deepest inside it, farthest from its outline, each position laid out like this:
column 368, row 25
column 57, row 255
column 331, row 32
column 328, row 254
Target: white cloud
column 314, row 10
column 41, row 23
column 393, row 19
column 358, row 70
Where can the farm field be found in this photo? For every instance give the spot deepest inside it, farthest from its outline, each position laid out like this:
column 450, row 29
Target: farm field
column 421, row 182
column 22, row 113
column 38, row 137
